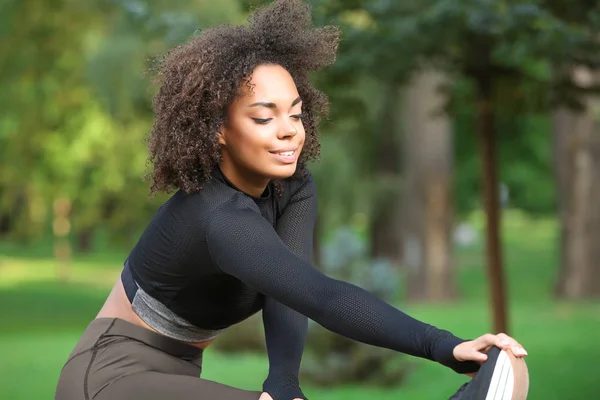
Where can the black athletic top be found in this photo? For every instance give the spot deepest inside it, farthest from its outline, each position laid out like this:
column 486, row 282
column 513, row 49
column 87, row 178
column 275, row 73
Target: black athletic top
column 215, row 257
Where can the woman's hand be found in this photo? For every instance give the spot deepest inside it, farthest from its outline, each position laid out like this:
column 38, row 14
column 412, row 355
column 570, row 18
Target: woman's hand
column 267, row 396
column 475, row 350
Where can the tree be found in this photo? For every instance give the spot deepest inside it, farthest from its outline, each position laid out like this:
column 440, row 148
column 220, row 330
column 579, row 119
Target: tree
column 76, row 108
column 42, row 100
column 427, row 207
column 487, row 42
column 576, row 148
column 577, row 165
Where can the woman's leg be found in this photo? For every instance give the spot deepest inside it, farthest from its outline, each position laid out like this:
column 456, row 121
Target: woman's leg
column 158, row 386
column 117, row 360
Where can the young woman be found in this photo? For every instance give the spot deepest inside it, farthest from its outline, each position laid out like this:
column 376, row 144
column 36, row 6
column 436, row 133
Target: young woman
column 236, row 121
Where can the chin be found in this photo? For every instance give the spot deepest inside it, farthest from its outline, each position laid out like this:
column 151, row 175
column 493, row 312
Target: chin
column 283, row 171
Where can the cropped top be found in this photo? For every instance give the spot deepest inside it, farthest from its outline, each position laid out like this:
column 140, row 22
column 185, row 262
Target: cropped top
column 213, row 258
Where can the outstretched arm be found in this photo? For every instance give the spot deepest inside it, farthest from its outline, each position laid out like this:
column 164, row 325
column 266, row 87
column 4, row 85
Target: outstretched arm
column 244, row 245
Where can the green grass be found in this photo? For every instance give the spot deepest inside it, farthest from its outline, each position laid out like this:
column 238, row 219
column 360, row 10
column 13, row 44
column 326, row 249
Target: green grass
column 41, row 320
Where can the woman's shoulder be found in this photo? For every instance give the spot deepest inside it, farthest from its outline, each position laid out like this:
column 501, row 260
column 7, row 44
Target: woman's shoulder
column 212, row 198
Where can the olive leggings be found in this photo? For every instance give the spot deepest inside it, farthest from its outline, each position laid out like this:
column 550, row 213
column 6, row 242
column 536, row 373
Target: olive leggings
column 115, row 359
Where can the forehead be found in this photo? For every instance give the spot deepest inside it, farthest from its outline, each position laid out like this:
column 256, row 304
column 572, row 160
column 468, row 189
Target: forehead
column 270, row 83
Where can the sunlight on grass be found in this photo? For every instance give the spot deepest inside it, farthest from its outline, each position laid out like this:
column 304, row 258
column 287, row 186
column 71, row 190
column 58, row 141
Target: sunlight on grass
column 518, row 228
column 15, row 271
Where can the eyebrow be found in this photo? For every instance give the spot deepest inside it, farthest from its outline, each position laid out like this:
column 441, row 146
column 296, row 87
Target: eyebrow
column 273, row 105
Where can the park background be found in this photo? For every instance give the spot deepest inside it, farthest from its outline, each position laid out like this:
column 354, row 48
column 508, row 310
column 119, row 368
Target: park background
column 460, row 179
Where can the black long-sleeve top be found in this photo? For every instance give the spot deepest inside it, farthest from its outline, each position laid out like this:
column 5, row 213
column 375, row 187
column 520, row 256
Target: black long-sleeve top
column 218, row 256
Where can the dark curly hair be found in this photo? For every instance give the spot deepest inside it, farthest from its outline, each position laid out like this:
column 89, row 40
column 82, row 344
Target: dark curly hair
column 199, row 80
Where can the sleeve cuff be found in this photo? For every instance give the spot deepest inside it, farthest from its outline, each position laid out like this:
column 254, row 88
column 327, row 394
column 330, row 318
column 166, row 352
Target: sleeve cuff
column 444, row 354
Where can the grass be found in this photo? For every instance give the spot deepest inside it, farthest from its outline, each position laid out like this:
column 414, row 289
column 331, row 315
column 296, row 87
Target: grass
column 41, row 320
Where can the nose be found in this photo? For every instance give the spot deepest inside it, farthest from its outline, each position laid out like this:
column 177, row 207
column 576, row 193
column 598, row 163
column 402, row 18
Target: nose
column 288, row 131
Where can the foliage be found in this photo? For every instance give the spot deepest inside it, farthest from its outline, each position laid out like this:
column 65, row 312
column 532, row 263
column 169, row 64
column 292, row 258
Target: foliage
column 76, row 107
column 518, row 43
column 525, row 158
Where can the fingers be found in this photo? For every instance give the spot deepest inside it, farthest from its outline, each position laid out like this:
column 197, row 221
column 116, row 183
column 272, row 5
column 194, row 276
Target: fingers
column 504, row 342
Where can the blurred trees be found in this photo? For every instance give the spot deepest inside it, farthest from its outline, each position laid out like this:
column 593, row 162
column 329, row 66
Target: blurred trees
column 576, row 131
column 577, row 163
column 501, row 50
column 404, row 147
column 76, row 108
column 43, row 94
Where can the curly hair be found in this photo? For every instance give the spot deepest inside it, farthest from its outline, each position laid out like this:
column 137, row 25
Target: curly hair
column 199, row 80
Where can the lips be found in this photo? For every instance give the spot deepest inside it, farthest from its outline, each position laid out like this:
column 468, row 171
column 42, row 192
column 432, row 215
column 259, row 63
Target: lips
column 285, row 156
column 286, row 151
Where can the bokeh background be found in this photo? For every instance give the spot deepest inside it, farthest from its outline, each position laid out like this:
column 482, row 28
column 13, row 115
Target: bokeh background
column 459, row 180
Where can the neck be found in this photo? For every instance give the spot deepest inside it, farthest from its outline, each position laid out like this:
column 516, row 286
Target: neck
column 246, row 182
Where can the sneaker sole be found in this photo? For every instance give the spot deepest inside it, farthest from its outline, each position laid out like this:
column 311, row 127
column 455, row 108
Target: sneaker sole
column 510, row 379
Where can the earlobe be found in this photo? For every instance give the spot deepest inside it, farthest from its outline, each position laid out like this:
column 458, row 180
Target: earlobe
column 221, row 137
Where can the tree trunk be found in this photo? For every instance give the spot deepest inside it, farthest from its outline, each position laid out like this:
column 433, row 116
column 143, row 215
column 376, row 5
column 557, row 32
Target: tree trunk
column 5, row 224
column 84, row 240
column 486, row 134
column 577, row 168
column 385, row 240
column 61, row 228
column 427, row 201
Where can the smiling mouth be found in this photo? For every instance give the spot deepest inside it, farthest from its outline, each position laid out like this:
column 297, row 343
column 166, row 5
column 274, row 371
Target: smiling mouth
column 287, row 153
column 285, row 156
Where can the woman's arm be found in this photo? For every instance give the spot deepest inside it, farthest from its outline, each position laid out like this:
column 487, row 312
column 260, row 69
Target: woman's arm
column 285, row 334
column 285, row 328
column 244, row 245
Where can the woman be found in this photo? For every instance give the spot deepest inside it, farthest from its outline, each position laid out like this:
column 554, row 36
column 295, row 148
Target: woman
column 236, row 120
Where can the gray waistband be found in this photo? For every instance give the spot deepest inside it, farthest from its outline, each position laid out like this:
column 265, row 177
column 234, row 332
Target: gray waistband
column 164, row 321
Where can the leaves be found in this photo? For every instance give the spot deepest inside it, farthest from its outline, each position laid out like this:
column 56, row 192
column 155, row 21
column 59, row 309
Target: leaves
column 76, row 103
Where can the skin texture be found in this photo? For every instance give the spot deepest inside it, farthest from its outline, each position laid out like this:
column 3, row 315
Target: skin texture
column 266, row 119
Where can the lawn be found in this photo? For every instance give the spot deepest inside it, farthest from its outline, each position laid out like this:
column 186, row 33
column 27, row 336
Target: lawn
column 42, row 319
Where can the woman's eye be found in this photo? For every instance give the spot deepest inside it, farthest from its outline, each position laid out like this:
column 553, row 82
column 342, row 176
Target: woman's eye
column 261, row 121
column 298, row 117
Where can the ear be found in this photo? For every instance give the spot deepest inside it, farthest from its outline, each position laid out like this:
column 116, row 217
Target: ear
column 221, row 136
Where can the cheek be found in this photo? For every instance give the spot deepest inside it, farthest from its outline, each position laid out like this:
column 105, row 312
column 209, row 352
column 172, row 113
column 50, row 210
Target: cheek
column 259, row 139
column 302, row 136
column 252, row 138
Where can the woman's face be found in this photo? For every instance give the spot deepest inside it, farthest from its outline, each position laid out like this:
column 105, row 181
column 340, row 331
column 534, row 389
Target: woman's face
column 263, row 136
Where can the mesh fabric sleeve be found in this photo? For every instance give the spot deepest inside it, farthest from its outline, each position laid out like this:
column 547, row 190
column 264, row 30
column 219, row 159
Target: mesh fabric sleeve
column 285, row 328
column 246, row 246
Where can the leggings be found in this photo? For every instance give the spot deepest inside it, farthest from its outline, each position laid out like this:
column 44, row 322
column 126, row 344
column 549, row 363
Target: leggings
column 115, row 359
